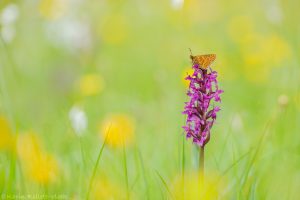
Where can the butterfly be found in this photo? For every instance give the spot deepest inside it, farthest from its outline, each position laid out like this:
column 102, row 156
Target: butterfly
column 203, row 61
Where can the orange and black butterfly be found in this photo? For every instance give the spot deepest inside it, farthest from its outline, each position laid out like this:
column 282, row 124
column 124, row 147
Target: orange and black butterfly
column 203, row 61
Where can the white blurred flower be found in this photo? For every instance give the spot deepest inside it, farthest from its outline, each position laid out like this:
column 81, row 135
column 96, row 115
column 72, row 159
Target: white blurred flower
column 8, row 17
column 8, row 33
column 177, row 4
column 71, row 33
column 274, row 13
column 9, row 14
column 237, row 122
column 283, row 100
column 78, row 120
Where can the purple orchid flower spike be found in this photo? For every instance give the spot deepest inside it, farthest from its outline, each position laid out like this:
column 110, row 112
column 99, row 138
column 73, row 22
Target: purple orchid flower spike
column 201, row 114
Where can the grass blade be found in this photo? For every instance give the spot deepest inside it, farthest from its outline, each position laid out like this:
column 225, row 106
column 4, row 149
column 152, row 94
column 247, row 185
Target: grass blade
column 258, row 148
column 144, row 174
column 125, row 171
column 96, row 165
column 236, row 162
column 164, row 183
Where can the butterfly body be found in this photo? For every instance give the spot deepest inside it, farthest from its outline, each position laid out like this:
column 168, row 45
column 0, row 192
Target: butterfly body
column 203, row 61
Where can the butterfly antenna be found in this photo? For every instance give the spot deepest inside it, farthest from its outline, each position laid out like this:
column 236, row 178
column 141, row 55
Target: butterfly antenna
column 191, row 51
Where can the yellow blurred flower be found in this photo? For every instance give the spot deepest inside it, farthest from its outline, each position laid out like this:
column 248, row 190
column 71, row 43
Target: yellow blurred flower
column 240, row 29
column 7, row 139
column 91, row 84
column 260, row 53
column 275, row 49
column 104, row 189
column 38, row 165
column 192, row 188
column 115, row 29
column 224, row 68
column 254, row 68
column 53, row 9
column 264, row 54
column 297, row 101
column 120, row 128
column 201, row 11
column 187, row 71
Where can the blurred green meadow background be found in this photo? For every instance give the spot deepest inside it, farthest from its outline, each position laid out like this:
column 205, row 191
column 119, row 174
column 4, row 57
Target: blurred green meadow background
column 75, row 72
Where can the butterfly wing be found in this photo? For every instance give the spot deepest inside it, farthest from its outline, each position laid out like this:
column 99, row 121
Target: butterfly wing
column 204, row 61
